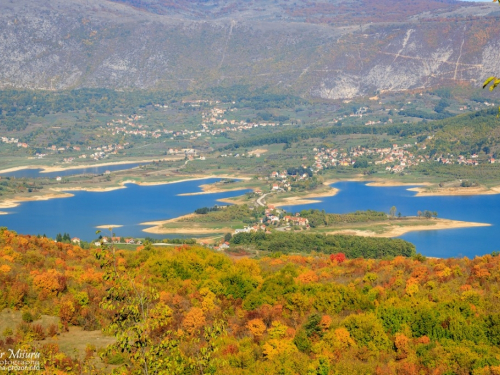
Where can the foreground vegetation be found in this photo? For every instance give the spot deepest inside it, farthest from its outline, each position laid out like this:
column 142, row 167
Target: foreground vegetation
column 190, row 310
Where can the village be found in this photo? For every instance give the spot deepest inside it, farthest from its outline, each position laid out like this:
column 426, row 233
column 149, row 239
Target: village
column 397, row 158
column 213, row 123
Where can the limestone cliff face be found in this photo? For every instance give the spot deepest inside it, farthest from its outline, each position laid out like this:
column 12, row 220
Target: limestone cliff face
column 93, row 43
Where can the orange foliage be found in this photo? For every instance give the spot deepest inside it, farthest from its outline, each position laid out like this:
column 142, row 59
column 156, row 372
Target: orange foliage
column 91, row 276
column 257, row 327
column 194, row 320
column 308, row 277
column 480, row 273
column 49, row 282
column 423, row 340
column 5, row 268
column 325, row 322
column 465, row 287
column 402, row 345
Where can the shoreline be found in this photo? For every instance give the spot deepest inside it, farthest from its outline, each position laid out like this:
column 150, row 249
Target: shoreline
column 306, row 199
column 14, row 202
column 455, row 191
column 109, row 226
column 156, row 227
column 49, row 169
column 390, row 230
column 397, row 230
column 381, row 183
column 210, row 189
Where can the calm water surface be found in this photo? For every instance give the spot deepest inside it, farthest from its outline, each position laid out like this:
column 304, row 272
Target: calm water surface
column 128, row 207
column 32, row 173
column 439, row 243
column 80, row 214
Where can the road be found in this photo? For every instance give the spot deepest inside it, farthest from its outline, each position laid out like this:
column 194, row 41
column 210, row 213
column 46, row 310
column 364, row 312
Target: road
column 259, row 200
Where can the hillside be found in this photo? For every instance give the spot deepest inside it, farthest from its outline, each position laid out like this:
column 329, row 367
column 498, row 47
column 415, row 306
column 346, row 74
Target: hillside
column 332, row 49
column 207, row 313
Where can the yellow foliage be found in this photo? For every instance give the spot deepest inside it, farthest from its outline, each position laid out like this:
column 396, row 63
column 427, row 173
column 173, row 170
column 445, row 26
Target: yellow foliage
column 161, row 315
column 339, row 339
column 278, row 331
column 275, row 347
column 208, row 302
column 249, row 266
column 412, row 286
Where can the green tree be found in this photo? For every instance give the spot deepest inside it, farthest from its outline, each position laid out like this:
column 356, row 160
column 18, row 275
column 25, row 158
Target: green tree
column 392, row 211
column 141, row 324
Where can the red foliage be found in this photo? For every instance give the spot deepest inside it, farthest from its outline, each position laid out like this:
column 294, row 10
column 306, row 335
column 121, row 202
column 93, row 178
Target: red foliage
column 339, row 257
column 230, row 349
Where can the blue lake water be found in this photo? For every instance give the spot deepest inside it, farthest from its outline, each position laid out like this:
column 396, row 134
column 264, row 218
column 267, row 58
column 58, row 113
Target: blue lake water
column 439, row 243
column 79, row 215
column 33, row 173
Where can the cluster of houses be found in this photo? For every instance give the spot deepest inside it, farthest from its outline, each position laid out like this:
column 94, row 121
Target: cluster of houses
column 14, row 141
column 276, row 217
column 98, row 153
column 115, row 240
column 213, row 123
column 398, row 156
column 472, row 160
column 282, row 181
column 129, row 126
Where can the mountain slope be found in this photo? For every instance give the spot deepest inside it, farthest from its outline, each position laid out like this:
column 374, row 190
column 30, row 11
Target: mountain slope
column 333, row 49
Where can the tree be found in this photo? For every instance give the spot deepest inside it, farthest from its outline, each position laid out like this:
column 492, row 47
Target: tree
column 392, row 211
column 141, row 323
column 134, row 316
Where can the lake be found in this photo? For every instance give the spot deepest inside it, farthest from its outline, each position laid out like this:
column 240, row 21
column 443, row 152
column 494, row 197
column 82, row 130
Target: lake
column 79, row 215
column 468, row 242
column 37, row 172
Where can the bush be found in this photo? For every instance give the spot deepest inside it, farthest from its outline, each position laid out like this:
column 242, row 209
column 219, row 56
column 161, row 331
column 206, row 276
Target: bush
column 27, row 317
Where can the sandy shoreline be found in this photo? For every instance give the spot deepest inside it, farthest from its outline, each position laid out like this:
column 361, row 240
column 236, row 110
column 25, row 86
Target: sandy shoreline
column 16, row 201
column 456, row 191
column 395, row 230
column 157, row 227
column 109, row 226
column 305, row 199
column 391, row 230
column 396, row 183
column 48, row 169
column 211, row 189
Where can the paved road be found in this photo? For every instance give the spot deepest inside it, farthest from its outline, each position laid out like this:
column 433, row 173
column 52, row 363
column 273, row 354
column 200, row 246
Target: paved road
column 259, row 200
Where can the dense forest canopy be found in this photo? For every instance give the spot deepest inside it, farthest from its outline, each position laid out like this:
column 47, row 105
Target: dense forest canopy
column 292, row 314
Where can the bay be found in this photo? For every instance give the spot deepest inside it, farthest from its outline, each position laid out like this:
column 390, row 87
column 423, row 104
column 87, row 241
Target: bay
column 129, row 207
column 446, row 243
column 79, row 215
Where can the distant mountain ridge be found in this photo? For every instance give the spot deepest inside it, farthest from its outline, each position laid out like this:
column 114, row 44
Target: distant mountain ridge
column 331, row 49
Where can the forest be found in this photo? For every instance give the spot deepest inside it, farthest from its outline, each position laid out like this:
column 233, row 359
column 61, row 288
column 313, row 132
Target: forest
column 190, row 310
column 351, row 246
